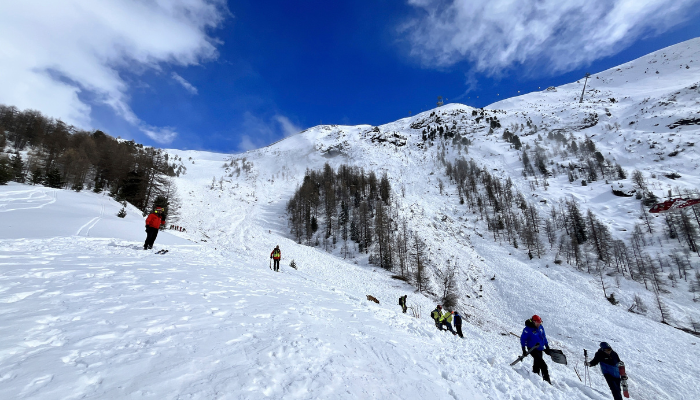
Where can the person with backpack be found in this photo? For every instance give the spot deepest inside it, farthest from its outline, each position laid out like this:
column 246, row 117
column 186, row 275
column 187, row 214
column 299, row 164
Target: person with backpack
column 458, row 324
column 152, row 225
column 436, row 314
column 608, row 360
column 402, row 303
column 534, row 335
column 275, row 256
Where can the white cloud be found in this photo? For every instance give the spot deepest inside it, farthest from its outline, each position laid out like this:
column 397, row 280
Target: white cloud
column 559, row 34
column 160, row 135
column 259, row 132
column 288, row 128
column 182, row 81
column 247, row 144
column 51, row 51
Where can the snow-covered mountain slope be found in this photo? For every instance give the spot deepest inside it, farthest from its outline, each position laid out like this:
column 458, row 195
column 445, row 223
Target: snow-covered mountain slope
column 87, row 317
column 40, row 212
column 90, row 316
column 644, row 110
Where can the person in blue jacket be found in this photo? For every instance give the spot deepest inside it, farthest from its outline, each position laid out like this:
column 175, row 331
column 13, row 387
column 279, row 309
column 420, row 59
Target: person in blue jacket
column 458, row 324
column 531, row 336
column 609, row 361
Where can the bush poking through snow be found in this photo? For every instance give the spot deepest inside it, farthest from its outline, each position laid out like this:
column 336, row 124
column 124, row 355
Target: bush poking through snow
column 122, row 212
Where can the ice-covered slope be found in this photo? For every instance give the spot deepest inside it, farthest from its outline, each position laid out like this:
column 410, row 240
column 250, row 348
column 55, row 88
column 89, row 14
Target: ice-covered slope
column 91, row 317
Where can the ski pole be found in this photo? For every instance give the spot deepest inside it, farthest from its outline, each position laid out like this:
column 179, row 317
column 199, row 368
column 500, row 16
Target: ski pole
column 586, row 376
column 270, row 263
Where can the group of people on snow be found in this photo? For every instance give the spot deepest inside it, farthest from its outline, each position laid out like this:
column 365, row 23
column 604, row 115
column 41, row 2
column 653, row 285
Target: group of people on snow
column 446, row 319
column 533, row 340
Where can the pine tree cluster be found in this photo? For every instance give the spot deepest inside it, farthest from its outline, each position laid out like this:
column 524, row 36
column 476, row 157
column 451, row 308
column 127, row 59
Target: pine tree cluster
column 353, row 208
column 61, row 156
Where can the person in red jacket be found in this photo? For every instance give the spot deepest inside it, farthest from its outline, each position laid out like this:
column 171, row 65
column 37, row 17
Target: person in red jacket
column 275, row 256
column 152, row 225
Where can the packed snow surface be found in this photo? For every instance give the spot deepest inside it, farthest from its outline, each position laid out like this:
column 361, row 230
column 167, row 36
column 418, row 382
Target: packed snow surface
column 85, row 313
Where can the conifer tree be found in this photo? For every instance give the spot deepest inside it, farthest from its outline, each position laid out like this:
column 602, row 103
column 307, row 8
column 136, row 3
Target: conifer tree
column 37, row 176
column 54, row 179
column 420, row 277
column 5, row 170
column 17, row 166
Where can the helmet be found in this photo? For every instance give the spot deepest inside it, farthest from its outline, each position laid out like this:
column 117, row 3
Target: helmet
column 536, row 318
column 439, row 306
column 605, row 345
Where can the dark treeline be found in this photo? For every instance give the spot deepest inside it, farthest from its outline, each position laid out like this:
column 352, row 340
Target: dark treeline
column 354, row 209
column 60, row 156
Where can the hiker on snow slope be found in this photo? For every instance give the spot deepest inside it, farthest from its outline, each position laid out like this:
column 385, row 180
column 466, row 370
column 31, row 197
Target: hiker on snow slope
column 436, row 315
column 446, row 320
column 458, row 324
column 152, row 225
column 609, row 361
column 402, row 303
column 275, row 256
column 531, row 336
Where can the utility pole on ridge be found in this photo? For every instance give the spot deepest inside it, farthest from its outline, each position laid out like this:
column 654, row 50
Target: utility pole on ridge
column 584, row 87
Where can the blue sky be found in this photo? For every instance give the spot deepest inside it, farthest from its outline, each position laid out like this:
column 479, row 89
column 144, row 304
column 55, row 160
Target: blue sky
column 234, row 75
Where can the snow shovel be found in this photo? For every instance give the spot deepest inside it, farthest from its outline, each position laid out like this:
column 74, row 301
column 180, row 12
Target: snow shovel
column 524, row 355
column 557, row 356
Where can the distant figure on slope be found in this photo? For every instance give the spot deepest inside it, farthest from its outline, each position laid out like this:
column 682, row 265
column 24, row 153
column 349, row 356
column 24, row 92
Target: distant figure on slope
column 402, row 303
column 152, row 225
column 531, row 336
column 458, row 323
column 446, row 320
column 436, row 314
column 609, row 361
column 275, row 256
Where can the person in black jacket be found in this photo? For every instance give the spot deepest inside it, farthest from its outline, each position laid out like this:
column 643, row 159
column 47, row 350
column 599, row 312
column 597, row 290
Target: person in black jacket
column 609, row 361
column 402, row 303
column 458, row 323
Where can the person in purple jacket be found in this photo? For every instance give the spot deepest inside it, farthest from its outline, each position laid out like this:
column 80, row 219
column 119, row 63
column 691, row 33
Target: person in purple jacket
column 533, row 335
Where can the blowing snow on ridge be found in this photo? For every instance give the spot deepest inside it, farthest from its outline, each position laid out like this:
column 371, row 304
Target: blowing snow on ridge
column 513, row 206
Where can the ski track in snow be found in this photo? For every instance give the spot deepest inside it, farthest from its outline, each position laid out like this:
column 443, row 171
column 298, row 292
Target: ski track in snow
column 84, row 313
column 27, row 199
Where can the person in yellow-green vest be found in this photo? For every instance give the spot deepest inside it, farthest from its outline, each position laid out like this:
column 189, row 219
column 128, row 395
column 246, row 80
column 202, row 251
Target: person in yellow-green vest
column 275, row 256
column 446, row 320
column 436, row 314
